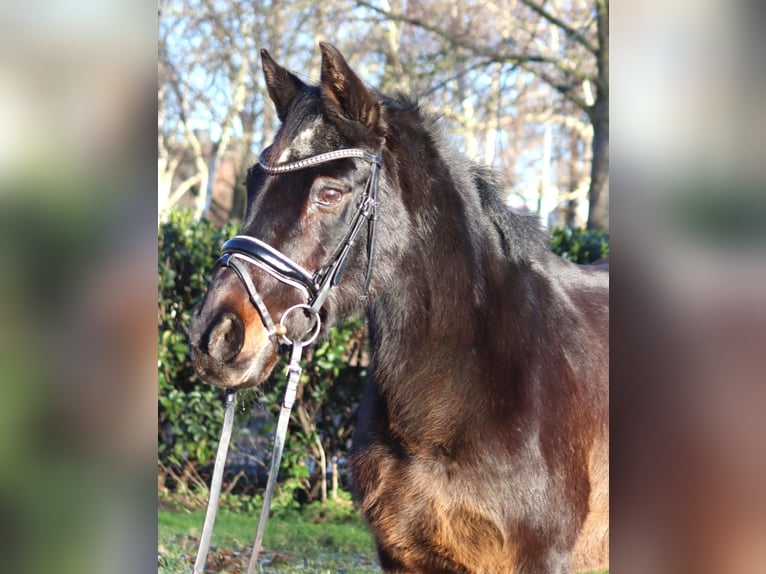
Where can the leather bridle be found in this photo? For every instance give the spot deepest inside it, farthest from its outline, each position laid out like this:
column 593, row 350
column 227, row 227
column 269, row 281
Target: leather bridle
column 315, row 288
column 244, row 249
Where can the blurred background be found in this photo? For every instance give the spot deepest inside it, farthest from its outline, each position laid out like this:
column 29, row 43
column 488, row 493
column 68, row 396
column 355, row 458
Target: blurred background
column 77, row 287
column 687, row 223
column 688, row 291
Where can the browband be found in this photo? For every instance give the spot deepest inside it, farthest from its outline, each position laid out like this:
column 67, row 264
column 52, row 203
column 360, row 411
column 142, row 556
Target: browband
column 317, row 159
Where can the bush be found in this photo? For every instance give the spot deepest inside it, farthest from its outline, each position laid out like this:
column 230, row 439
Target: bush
column 581, row 246
column 324, row 416
column 190, row 413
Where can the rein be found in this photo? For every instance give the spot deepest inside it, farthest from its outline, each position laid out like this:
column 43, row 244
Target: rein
column 315, row 288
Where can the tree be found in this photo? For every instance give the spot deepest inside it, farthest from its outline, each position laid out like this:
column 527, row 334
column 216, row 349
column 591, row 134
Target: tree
column 210, row 86
column 198, row 43
column 526, row 34
column 523, row 84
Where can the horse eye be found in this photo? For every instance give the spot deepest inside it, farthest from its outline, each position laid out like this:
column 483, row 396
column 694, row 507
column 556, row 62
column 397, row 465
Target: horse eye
column 329, row 196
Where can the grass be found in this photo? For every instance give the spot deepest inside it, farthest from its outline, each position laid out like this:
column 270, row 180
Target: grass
column 318, row 540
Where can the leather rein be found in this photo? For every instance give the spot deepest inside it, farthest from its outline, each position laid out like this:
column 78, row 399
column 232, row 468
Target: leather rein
column 245, row 249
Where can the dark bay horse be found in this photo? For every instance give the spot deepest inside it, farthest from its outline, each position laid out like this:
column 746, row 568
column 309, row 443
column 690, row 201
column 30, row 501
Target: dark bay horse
column 482, row 445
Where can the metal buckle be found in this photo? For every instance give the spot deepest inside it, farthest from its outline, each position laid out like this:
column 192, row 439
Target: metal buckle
column 313, row 331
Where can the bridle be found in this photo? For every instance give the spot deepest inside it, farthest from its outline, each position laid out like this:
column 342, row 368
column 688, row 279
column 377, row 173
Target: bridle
column 315, row 289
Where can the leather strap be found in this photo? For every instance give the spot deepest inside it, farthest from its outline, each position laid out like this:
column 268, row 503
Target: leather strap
column 272, row 261
column 230, row 260
column 293, row 377
column 230, row 402
column 316, row 160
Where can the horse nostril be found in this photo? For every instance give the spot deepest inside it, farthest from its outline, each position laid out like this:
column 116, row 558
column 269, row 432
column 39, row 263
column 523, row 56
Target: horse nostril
column 226, row 337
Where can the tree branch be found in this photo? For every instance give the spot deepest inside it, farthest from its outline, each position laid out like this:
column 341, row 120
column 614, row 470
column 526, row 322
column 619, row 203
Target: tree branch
column 460, row 41
column 182, row 188
column 454, row 77
column 566, row 28
column 524, row 61
column 564, row 90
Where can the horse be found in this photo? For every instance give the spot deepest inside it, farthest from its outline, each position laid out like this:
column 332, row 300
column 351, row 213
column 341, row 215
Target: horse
column 482, row 440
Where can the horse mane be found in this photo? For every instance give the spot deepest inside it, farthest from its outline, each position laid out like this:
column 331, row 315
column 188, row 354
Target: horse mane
column 519, row 235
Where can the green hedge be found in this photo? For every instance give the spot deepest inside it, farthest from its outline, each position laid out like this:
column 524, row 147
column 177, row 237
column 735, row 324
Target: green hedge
column 191, row 411
column 579, row 245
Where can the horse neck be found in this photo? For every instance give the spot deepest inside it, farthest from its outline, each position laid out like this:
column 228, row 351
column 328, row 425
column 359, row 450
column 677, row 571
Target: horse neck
column 436, row 332
column 432, row 294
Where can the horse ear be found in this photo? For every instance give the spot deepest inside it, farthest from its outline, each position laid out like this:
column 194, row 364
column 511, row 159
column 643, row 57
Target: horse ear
column 281, row 84
column 346, row 98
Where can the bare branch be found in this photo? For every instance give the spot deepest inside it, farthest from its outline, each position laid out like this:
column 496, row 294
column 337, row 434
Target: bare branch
column 524, row 60
column 179, row 192
column 566, row 28
column 459, row 40
column 564, row 89
column 478, row 65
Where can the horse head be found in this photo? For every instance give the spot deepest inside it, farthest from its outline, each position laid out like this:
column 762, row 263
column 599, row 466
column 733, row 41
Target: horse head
column 305, row 255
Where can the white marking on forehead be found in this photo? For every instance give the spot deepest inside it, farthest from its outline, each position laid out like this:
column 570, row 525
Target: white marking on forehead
column 301, row 144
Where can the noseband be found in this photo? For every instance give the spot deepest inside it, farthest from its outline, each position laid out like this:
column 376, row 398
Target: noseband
column 316, row 287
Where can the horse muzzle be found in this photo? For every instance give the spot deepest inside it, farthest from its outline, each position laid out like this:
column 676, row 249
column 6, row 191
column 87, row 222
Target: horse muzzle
column 229, row 344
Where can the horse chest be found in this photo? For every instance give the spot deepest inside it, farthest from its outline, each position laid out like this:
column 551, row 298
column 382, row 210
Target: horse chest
column 424, row 519
column 428, row 515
